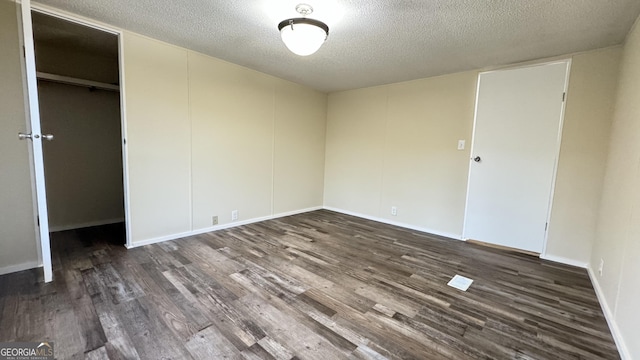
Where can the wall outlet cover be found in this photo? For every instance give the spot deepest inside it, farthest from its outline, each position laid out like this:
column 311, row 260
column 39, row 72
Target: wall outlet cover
column 214, row 220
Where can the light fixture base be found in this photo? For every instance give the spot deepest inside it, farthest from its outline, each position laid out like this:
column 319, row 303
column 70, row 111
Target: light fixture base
column 304, row 9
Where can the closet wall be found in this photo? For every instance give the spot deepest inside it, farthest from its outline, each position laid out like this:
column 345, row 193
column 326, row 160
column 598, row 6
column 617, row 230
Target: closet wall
column 83, row 164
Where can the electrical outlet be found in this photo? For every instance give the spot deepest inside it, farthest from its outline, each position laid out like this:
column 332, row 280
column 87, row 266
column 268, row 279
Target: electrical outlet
column 214, row 220
column 394, row 211
column 234, row 215
column 601, row 267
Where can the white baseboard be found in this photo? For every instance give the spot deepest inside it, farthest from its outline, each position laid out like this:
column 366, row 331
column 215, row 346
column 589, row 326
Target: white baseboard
column 563, row 260
column 84, row 225
column 608, row 314
column 19, row 267
column 395, row 223
column 218, row 227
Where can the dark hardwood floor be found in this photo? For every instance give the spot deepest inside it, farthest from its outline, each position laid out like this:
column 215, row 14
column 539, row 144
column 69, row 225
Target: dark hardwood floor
column 319, row 285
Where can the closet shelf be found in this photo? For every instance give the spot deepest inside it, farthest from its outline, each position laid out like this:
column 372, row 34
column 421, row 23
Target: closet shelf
column 75, row 81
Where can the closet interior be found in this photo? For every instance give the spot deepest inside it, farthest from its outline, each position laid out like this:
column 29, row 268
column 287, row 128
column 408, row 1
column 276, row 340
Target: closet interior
column 79, row 95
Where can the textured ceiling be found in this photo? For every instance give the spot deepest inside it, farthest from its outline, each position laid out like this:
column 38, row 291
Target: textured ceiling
column 373, row 42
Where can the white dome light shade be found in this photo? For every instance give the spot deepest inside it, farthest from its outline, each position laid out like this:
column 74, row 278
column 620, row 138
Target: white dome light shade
column 303, row 36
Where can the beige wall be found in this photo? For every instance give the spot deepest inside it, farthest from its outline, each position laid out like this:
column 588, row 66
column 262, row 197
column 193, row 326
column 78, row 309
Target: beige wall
column 585, row 140
column 299, row 144
column 18, row 247
column 232, row 140
column 618, row 232
column 158, row 137
column 83, row 165
column 355, row 135
column 395, row 145
column 206, row 137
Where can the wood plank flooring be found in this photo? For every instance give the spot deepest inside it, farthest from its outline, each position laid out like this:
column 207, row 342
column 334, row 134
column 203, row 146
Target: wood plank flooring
column 319, row 285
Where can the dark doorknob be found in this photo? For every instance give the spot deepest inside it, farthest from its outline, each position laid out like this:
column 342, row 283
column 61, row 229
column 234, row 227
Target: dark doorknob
column 477, row 159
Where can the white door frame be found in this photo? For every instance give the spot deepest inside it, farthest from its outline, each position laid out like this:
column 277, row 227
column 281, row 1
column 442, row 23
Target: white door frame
column 123, row 123
column 567, row 61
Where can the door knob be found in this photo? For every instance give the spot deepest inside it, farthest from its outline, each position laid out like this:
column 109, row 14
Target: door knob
column 477, row 159
column 23, row 136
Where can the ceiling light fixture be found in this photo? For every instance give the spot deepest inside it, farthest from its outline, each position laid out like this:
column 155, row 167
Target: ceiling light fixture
column 303, row 36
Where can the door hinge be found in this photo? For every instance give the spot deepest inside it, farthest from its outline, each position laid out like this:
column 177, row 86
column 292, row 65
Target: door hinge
column 24, row 52
column 124, row 141
column 38, row 220
column 545, row 226
column 564, row 96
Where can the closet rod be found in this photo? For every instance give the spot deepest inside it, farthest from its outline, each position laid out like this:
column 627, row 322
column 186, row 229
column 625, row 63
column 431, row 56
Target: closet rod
column 75, row 81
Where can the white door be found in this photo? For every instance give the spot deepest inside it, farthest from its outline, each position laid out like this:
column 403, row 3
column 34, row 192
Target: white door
column 514, row 153
column 17, row 157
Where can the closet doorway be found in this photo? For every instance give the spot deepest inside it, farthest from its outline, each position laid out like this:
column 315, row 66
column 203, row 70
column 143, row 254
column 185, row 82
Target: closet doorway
column 78, row 75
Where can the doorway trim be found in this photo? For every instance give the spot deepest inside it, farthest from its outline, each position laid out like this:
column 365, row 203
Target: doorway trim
column 43, row 9
column 566, row 61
